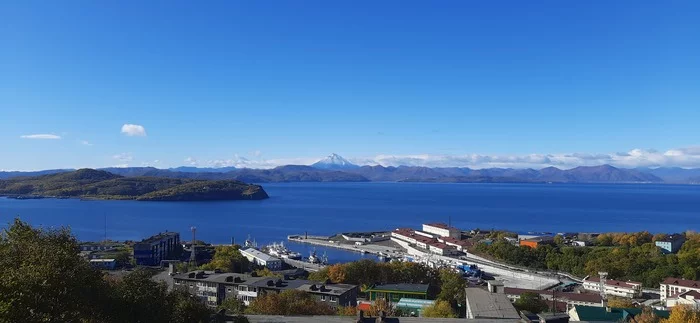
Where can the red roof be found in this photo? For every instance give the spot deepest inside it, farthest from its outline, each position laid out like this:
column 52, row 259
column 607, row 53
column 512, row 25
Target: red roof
column 364, row 306
column 693, row 293
column 682, row 282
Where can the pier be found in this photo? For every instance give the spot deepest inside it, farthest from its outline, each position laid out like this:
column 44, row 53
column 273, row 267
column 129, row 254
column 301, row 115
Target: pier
column 365, row 248
column 303, row 264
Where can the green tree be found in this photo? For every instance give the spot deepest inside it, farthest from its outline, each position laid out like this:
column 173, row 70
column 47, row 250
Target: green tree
column 530, row 302
column 43, row 278
column 228, row 259
column 232, row 305
column 452, row 287
column 288, row 302
column 440, row 308
column 185, row 308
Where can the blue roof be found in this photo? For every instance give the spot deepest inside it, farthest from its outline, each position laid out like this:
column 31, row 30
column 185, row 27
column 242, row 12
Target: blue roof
column 414, row 303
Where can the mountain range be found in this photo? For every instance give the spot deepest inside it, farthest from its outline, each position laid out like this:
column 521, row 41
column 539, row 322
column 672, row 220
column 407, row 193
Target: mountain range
column 335, row 168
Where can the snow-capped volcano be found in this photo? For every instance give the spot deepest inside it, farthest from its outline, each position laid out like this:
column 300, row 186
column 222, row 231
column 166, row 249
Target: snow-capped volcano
column 334, row 161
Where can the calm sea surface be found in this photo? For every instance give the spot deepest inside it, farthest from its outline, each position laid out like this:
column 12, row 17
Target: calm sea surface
column 326, row 208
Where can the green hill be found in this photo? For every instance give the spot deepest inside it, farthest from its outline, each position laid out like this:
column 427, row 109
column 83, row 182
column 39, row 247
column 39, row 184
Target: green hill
column 97, row 184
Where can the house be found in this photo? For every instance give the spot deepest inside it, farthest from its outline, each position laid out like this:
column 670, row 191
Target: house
column 690, row 298
column 570, row 299
column 482, row 304
column 671, row 244
column 163, row 246
column 395, row 292
column 628, row 289
column 104, row 263
column 213, row 288
column 673, row 286
column 603, row 314
column 442, row 230
column 536, row 242
column 262, row 259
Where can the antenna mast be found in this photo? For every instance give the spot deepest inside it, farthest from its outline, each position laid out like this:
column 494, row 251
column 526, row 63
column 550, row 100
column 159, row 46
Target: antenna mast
column 193, row 256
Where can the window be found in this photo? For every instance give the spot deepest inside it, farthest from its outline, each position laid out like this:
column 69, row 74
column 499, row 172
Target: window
column 323, row 298
column 229, row 290
column 334, row 299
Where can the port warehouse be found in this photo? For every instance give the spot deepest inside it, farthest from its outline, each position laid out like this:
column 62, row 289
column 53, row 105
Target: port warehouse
column 262, row 259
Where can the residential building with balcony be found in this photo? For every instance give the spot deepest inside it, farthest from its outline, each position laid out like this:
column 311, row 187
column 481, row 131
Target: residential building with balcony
column 674, row 286
column 628, row 289
column 163, row 246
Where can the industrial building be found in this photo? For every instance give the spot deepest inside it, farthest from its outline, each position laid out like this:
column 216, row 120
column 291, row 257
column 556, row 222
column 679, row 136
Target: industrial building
column 262, row 259
column 163, row 246
column 442, row 230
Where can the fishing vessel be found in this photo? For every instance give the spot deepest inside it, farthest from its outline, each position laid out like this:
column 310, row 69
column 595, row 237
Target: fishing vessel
column 316, row 259
column 279, row 250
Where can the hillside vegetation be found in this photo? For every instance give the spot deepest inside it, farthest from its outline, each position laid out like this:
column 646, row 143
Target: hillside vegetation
column 97, row 184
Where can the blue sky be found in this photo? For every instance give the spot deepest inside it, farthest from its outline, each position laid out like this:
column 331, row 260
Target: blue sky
column 279, row 82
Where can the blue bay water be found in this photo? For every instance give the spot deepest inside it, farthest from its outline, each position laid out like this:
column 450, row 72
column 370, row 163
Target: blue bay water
column 327, row 208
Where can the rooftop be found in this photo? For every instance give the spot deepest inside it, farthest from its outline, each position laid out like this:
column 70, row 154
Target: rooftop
column 160, row 236
column 612, row 282
column 354, row 319
column 682, row 282
column 483, row 304
column 259, row 254
column 596, row 313
column 411, row 288
column 265, row 282
column 673, row 238
column 691, row 294
column 441, row 226
column 578, row 297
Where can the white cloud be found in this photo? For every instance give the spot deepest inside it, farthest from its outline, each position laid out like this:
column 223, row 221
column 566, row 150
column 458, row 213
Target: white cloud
column 151, row 163
column 86, row 143
column 688, row 157
column 191, row 161
column 41, row 136
column 124, row 157
column 133, row 130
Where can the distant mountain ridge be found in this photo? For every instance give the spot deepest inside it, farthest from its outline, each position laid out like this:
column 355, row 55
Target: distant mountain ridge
column 337, row 169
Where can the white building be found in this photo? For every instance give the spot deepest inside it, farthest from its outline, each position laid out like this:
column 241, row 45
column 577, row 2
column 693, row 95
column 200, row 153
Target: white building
column 443, row 249
column 628, row 289
column 690, row 298
column 442, row 230
column 262, row 259
column 404, row 235
column 673, row 286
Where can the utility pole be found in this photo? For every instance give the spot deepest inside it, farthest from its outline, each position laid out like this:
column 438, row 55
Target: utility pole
column 193, row 255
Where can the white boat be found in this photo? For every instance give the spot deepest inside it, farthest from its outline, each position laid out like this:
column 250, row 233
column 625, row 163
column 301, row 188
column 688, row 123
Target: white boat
column 279, row 250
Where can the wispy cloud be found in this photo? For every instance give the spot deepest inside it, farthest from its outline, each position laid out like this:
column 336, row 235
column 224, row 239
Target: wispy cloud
column 133, row 130
column 124, row 157
column 191, row 161
column 86, row 143
column 43, row 136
